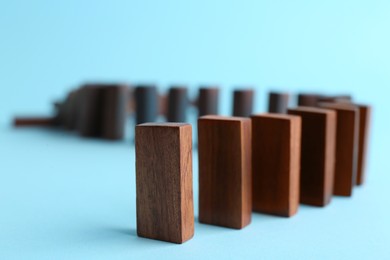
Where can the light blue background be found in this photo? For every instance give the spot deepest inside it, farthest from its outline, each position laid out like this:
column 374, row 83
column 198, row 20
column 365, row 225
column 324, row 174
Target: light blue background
column 66, row 197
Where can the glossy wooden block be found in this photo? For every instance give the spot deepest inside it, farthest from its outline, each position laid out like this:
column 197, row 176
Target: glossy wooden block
column 208, row 101
column 276, row 149
column 225, row 174
column 278, row 102
column 318, row 147
column 347, row 137
column 165, row 208
column 115, row 99
column 364, row 125
column 147, row 104
column 243, row 102
column 177, row 104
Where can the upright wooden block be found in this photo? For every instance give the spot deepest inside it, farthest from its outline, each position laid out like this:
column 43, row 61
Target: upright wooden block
column 147, row 104
column 208, row 101
column 318, row 147
column 165, row 208
column 278, row 102
column 243, row 102
column 114, row 111
column 308, row 100
column 347, row 134
column 364, row 125
column 90, row 111
column 276, row 142
column 177, row 104
column 225, row 174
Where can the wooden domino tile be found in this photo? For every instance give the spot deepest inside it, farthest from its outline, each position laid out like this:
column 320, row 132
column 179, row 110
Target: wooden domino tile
column 318, row 145
column 347, row 137
column 208, row 101
column 364, row 123
column 146, row 103
column 278, row 102
column 243, row 102
column 276, row 150
column 164, row 193
column 90, row 111
column 308, row 100
column 34, row 121
column 177, row 104
column 114, row 111
column 225, row 192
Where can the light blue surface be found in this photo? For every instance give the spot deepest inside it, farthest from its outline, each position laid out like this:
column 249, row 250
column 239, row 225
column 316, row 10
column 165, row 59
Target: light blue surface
column 65, row 197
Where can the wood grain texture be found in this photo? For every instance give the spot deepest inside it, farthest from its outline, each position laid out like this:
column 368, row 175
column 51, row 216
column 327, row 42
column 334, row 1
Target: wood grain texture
column 318, row 147
column 347, row 137
column 177, row 104
column 243, row 102
column 208, row 101
column 165, row 208
column 364, row 126
column 278, row 102
column 276, row 142
column 225, row 174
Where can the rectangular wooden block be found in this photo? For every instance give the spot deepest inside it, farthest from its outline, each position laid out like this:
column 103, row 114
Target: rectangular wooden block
column 225, row 174
column 347, row 134
column 318, row 147
column 276, row 149
column 364, row 125
column 165, row 208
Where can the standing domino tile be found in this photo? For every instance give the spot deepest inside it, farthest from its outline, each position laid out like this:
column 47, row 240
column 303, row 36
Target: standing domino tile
column 308, row 100
column 243, row 102
column 278, row 102
column 165, row 208
column 114, row 111
column 177, row 104
column 318, row 145
column 90, row 111
column 347, row 137
column 146, row 103
column 225, row 174
column 364, row 124
column 208, row 101
column 276, row 150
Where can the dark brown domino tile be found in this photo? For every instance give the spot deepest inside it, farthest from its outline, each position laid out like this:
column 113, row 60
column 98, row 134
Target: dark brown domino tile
column 146, row 103
column 34, row 121
column 89, row 124
column 308, row 100
column 318, row 145
column 114, row 111
column 278, row 102
column 364, row 126
column 225, row 174
column 243, row 102
column 276, row 150
column 177, row 104
column 165, row 208
column 347, row 138
column 208, row 101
